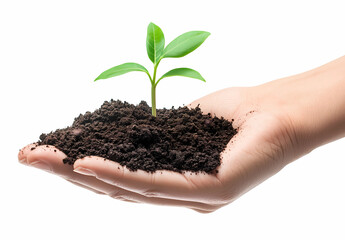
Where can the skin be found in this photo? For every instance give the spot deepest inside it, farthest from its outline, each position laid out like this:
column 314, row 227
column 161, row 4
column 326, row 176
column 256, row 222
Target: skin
column 278, row 122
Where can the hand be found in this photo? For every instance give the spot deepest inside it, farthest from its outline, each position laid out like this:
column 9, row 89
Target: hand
column 278, row 122
column 263, row 146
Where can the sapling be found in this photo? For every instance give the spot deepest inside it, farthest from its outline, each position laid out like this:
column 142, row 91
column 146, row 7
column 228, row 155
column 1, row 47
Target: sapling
column 179, row 47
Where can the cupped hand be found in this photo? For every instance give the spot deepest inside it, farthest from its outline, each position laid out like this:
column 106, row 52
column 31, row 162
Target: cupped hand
column 265, row 143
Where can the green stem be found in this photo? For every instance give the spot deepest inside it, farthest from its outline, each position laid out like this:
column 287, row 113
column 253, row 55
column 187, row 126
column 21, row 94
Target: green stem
column 153, row 90
column 153, row 100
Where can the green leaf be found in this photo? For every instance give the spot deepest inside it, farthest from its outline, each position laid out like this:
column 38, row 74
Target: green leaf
column 183, row 72
column 154, row 42
column 122, row 69
column 185, row 44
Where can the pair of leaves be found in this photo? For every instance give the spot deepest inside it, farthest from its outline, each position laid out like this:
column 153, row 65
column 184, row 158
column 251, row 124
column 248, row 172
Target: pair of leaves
column 130, row 67
column 155, row 41
column 179, row 47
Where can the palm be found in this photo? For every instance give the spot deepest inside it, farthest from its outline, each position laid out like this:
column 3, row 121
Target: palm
column 260, row 149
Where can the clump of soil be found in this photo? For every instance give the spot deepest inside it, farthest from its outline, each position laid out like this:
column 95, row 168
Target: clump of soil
column 178, row 139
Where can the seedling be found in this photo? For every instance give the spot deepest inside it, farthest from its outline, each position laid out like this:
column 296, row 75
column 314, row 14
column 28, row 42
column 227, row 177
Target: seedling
column 179, row 47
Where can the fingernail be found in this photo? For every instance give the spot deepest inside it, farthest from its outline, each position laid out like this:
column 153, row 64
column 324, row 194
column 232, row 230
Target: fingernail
column 41, row 165
column 84, row 171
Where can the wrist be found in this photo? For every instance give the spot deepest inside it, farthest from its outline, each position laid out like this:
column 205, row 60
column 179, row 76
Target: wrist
column 313, row 102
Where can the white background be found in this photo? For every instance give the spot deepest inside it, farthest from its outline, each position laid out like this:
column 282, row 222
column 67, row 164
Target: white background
column 51, row 51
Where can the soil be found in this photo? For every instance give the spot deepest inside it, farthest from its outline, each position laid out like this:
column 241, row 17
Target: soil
column 177, row 139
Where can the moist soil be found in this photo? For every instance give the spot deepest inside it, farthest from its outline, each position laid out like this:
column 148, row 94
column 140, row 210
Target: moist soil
column 180, row 139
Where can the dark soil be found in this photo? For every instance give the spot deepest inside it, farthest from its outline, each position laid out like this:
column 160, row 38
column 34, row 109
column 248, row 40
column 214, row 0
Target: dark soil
column 178, row 139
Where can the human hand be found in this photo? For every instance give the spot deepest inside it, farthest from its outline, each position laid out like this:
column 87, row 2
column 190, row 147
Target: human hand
column 258, row 151
column 277, row 123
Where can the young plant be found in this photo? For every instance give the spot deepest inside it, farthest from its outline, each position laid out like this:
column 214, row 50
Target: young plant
column 179, row 47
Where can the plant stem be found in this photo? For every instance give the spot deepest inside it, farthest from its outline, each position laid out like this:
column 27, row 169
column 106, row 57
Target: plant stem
column 153, row 90
column 153, row 99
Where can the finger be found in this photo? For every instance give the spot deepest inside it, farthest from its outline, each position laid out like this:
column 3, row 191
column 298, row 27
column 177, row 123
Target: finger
column 163, row 184
column 124, row 195
column 50, row 159
column 86, row 187
column 45, row 157
column 22, row 155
